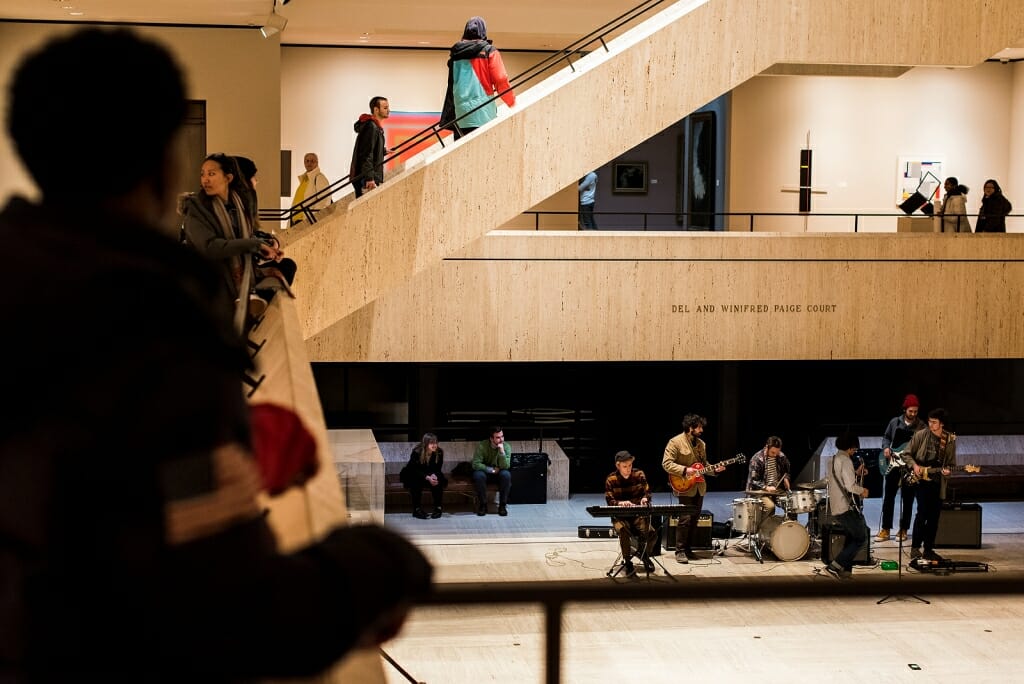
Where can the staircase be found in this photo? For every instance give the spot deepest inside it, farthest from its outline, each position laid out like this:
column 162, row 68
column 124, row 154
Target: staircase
column 650, row 77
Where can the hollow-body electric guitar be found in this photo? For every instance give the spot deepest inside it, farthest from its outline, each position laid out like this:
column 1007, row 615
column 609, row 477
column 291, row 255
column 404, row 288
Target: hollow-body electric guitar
column 681, row 484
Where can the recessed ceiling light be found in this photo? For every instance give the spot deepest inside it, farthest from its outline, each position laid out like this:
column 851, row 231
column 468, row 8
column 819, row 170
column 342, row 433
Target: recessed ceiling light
column 76, row 14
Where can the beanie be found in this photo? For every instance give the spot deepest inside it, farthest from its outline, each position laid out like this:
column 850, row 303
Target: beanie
column 910, row 400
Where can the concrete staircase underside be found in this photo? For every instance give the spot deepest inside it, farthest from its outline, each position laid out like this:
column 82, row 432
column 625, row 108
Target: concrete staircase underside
column 653, row 75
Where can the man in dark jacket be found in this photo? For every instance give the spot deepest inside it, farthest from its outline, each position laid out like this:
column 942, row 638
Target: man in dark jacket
column 367, row 170
column 133, row 546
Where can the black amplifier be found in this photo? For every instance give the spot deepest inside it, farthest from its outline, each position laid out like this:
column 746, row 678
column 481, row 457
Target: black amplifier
column 959, row 526
column 703, row 538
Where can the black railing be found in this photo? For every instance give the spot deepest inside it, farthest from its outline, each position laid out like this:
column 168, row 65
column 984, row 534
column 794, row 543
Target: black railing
column 641, row 220
column 554, row 596
column 435, row 131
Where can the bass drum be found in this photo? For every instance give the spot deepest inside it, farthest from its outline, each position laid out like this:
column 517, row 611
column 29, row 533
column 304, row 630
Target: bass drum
column 787, row 539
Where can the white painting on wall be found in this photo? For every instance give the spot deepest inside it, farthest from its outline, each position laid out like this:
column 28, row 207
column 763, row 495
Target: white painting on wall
column 921, row 173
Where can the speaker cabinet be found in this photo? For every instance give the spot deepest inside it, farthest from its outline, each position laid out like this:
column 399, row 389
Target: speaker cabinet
column 836, row 542
column 529, row 479
column 959, row 526
column 703, row 539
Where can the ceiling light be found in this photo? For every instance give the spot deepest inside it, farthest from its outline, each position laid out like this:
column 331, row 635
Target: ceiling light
column 275, row 24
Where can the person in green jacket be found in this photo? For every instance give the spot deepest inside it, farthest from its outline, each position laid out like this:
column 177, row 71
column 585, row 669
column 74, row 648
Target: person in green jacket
column 491, row 460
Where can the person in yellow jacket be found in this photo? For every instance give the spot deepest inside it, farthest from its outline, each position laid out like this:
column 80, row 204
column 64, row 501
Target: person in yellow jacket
column 311, row 183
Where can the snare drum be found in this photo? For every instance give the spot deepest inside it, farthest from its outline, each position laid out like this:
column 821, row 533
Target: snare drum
column 801, row 501
column 787, row 539
column 746, row 515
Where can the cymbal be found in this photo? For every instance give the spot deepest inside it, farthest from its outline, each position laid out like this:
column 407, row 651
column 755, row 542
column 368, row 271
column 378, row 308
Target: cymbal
column 761, row 492
column 817, row 484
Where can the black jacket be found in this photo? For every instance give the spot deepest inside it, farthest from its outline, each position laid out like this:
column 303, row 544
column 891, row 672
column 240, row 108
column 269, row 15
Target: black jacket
column 368, row 152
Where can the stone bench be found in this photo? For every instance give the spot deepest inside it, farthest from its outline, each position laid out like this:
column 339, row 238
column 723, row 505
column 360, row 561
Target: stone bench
column 459, row 494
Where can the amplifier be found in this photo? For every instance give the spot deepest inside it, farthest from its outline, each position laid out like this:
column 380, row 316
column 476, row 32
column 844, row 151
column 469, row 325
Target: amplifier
column 836, row 542
column 703, row 539
column 959, row 526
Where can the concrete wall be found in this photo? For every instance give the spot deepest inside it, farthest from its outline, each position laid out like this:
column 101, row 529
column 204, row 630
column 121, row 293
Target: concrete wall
column 236, row 71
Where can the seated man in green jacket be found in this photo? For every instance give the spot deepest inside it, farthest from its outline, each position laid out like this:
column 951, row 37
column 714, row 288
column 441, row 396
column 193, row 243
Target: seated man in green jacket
column 490, row 463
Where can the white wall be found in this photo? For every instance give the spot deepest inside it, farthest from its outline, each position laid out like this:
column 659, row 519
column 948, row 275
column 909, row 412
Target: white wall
column 859, row 127
column 324, row 90
column 1014, row 187
column 236, row 71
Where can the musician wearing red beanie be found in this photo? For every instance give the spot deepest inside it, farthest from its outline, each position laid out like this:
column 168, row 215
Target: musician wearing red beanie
column 897, row 435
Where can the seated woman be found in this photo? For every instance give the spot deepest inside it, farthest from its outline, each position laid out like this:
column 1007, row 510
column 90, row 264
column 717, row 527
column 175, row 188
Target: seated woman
column 217, row 223
column 424, row 470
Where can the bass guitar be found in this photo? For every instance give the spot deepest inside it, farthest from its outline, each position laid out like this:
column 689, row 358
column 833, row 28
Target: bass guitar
column 681, row 484
column 885, row 465
column 910, row 478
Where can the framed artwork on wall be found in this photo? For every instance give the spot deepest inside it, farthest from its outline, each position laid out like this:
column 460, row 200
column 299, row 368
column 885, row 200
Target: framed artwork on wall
column 700, row 170
column 629, row 177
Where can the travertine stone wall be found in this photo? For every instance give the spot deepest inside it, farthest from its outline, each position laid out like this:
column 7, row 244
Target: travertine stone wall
column 608, row 296
column 654, row 75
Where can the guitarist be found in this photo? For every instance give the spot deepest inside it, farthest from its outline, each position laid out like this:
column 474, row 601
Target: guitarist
column 931, row 448
column 897, row 433
column 843, row 490
column 682, row 453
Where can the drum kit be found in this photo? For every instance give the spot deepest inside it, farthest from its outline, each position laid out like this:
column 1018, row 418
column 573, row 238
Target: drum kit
column 754, row 517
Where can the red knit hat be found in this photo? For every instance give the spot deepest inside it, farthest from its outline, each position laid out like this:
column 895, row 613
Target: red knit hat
column 910, row 400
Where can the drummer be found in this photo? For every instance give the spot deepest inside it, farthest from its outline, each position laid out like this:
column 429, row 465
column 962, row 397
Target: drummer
column 769, row 473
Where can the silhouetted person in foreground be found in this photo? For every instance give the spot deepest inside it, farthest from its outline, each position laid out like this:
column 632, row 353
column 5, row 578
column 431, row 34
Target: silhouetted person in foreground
column 132, row 544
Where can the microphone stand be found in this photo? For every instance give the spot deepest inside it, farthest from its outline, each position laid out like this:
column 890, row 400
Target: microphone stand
column 899, row 575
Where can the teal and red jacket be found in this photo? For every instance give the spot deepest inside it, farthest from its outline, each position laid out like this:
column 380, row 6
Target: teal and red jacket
column 475, row 74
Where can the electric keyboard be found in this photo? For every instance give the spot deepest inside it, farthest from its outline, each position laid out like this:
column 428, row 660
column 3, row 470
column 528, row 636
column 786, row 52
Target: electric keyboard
column 637, row 511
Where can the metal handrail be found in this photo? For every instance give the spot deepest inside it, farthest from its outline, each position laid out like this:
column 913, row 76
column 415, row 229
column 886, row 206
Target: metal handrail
column 305, row 207
column 553, row 596
column 750, row 214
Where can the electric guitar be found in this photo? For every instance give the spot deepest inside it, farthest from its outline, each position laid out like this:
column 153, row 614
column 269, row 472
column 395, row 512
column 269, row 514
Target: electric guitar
column 681, row 484
column 885, row 465
column 911, row 479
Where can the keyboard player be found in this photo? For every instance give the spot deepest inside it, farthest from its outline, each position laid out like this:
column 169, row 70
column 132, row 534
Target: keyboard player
column 627, row 487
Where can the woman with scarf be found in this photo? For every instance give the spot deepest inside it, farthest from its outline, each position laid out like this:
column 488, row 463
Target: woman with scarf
column 994, row 208
column 218, row 224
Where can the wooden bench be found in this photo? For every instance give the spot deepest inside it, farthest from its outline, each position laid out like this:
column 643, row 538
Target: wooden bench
column 458, row 495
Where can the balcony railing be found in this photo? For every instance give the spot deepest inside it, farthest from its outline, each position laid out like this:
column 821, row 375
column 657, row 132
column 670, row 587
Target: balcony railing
column 764, row 221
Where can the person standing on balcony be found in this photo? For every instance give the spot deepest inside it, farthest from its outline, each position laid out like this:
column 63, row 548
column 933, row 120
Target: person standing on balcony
column 367, row 170
column 310, row 183
column 475, row 74
column 994, row 208
column 954, row 208
column 588, row 188
column 129, row 488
